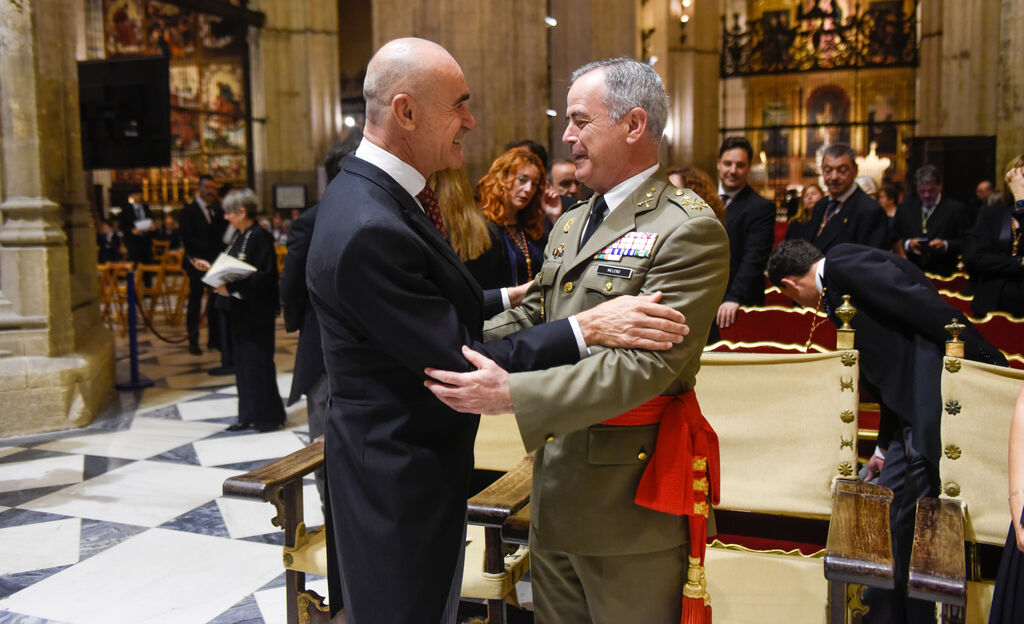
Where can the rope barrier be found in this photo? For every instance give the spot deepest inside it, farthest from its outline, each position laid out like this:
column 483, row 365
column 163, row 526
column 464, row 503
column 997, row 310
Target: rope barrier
column 149, row 324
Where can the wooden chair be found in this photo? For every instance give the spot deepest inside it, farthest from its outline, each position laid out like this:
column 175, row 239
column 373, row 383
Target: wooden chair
column 783, row 453
column 492, row 568
column 155, row 293
column 957, row 299
column 777, row 324
column 957, row 282
column 160, row 247
column 1004, row 332
column 978, row 402
column 110, row 307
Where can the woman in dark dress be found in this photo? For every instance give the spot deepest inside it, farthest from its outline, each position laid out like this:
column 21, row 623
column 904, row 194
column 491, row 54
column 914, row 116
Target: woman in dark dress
column 800, row 224
column 510, row 198
column 1008, row 600
column 251, row 305
column 994, row 254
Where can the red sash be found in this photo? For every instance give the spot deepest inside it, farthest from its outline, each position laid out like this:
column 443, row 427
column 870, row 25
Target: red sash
column 681, row 478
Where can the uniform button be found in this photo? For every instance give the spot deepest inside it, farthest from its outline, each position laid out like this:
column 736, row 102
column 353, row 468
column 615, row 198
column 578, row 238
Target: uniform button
column 550, row 438
column 642, row 455
column 608, row 286
column 568, row 287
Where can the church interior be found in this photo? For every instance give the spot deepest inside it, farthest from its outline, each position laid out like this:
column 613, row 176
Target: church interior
column 122, row 497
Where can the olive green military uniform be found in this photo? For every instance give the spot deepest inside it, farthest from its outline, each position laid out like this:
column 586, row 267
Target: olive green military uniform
column 584, row 520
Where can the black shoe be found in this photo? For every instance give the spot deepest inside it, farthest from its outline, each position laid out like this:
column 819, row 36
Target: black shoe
column 222, row 370
column 195, row 350
column 238, row 427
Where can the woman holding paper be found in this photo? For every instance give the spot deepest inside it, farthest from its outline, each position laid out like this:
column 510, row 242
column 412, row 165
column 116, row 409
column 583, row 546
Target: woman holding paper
column 250, row 297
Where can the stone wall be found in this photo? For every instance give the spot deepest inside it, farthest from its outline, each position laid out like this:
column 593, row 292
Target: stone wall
column 56, row 360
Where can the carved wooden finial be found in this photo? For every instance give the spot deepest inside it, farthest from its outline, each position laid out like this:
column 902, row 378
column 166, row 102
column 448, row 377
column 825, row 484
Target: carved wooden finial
column 955, row 346
column 844, row 335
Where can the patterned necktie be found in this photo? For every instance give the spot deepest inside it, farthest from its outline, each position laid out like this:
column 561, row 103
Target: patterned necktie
column 725, row 199
column 831, row 209
column 433, row 209
column 597, row 215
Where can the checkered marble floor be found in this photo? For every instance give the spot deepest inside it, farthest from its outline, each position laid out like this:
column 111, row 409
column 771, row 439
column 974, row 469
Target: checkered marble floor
column 124, row 521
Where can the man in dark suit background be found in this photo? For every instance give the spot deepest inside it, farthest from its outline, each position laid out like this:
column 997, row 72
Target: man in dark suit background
column 930, row 227
column 392, row 298
column 846, row 214
column 900, row 333
column 202, row 228
column 750, row 223
column 309, row 376
column 137, row 242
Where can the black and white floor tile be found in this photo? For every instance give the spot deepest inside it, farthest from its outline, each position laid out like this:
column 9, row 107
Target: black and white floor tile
column 124, row 520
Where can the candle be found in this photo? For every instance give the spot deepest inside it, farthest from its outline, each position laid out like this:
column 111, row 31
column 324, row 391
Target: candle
column 163, row 189
column 174, row 192
column 145, row 190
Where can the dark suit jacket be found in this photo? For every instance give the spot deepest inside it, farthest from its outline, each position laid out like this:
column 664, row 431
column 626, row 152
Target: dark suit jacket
column 949, row 221
column 861, row 220
column 900, row 325
column 750, row 223
column 393, row 298
column 139, row 246
column 988, row 259
column 201, row 239
column 298, row 313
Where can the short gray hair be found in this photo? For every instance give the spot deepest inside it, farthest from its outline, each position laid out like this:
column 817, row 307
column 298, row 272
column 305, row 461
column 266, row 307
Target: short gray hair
column 927, row 174
column 838, row 150
column 631, row 84
column 240, row 200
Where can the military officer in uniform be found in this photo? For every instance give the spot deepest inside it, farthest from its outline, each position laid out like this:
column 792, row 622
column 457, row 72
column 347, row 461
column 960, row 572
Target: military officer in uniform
column 603, row 548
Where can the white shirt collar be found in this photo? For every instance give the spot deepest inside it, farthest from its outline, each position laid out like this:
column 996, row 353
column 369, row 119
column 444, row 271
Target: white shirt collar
column 403, row 173
column 623, row 190
column 819, row 275
column 732, row 196
column 845, row 196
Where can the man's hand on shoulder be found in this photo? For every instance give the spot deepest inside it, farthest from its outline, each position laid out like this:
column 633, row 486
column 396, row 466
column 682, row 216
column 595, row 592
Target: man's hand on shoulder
column 633, row 322
column 483, row 391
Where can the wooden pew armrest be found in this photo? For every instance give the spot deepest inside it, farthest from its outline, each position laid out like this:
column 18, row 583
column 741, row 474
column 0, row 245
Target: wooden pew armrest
column 516, row 529
column 938, row 570
column 504, row 497
column 263, row 482
column 859, row 545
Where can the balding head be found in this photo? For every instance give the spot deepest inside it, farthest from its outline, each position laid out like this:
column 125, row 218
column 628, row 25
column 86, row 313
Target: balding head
column 399, row 67
column 416, row 104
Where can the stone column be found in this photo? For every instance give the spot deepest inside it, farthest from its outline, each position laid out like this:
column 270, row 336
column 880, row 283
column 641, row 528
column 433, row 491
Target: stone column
column 296, row 89
column 586, row 31
column 502, row 48
column 958, row 76
column 56, row 360
column 692, row 80
column 1009, row 95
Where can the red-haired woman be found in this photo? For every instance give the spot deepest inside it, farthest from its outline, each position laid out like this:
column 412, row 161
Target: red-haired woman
column 510, row 198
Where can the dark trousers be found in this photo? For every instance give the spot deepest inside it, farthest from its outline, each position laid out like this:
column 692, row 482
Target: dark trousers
column 910, row 477
column 252, row 339
column 196, row 288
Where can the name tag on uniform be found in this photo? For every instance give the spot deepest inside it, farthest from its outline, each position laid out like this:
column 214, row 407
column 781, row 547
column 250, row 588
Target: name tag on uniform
column 614, row 271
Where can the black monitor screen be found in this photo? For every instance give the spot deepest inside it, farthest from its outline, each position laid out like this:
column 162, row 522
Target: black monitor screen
column 125, row 107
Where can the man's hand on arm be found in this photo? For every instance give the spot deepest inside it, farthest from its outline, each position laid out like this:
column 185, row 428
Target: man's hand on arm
column 727, row 313
column 516, row 294
column 483, row 391
column 633, row 322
